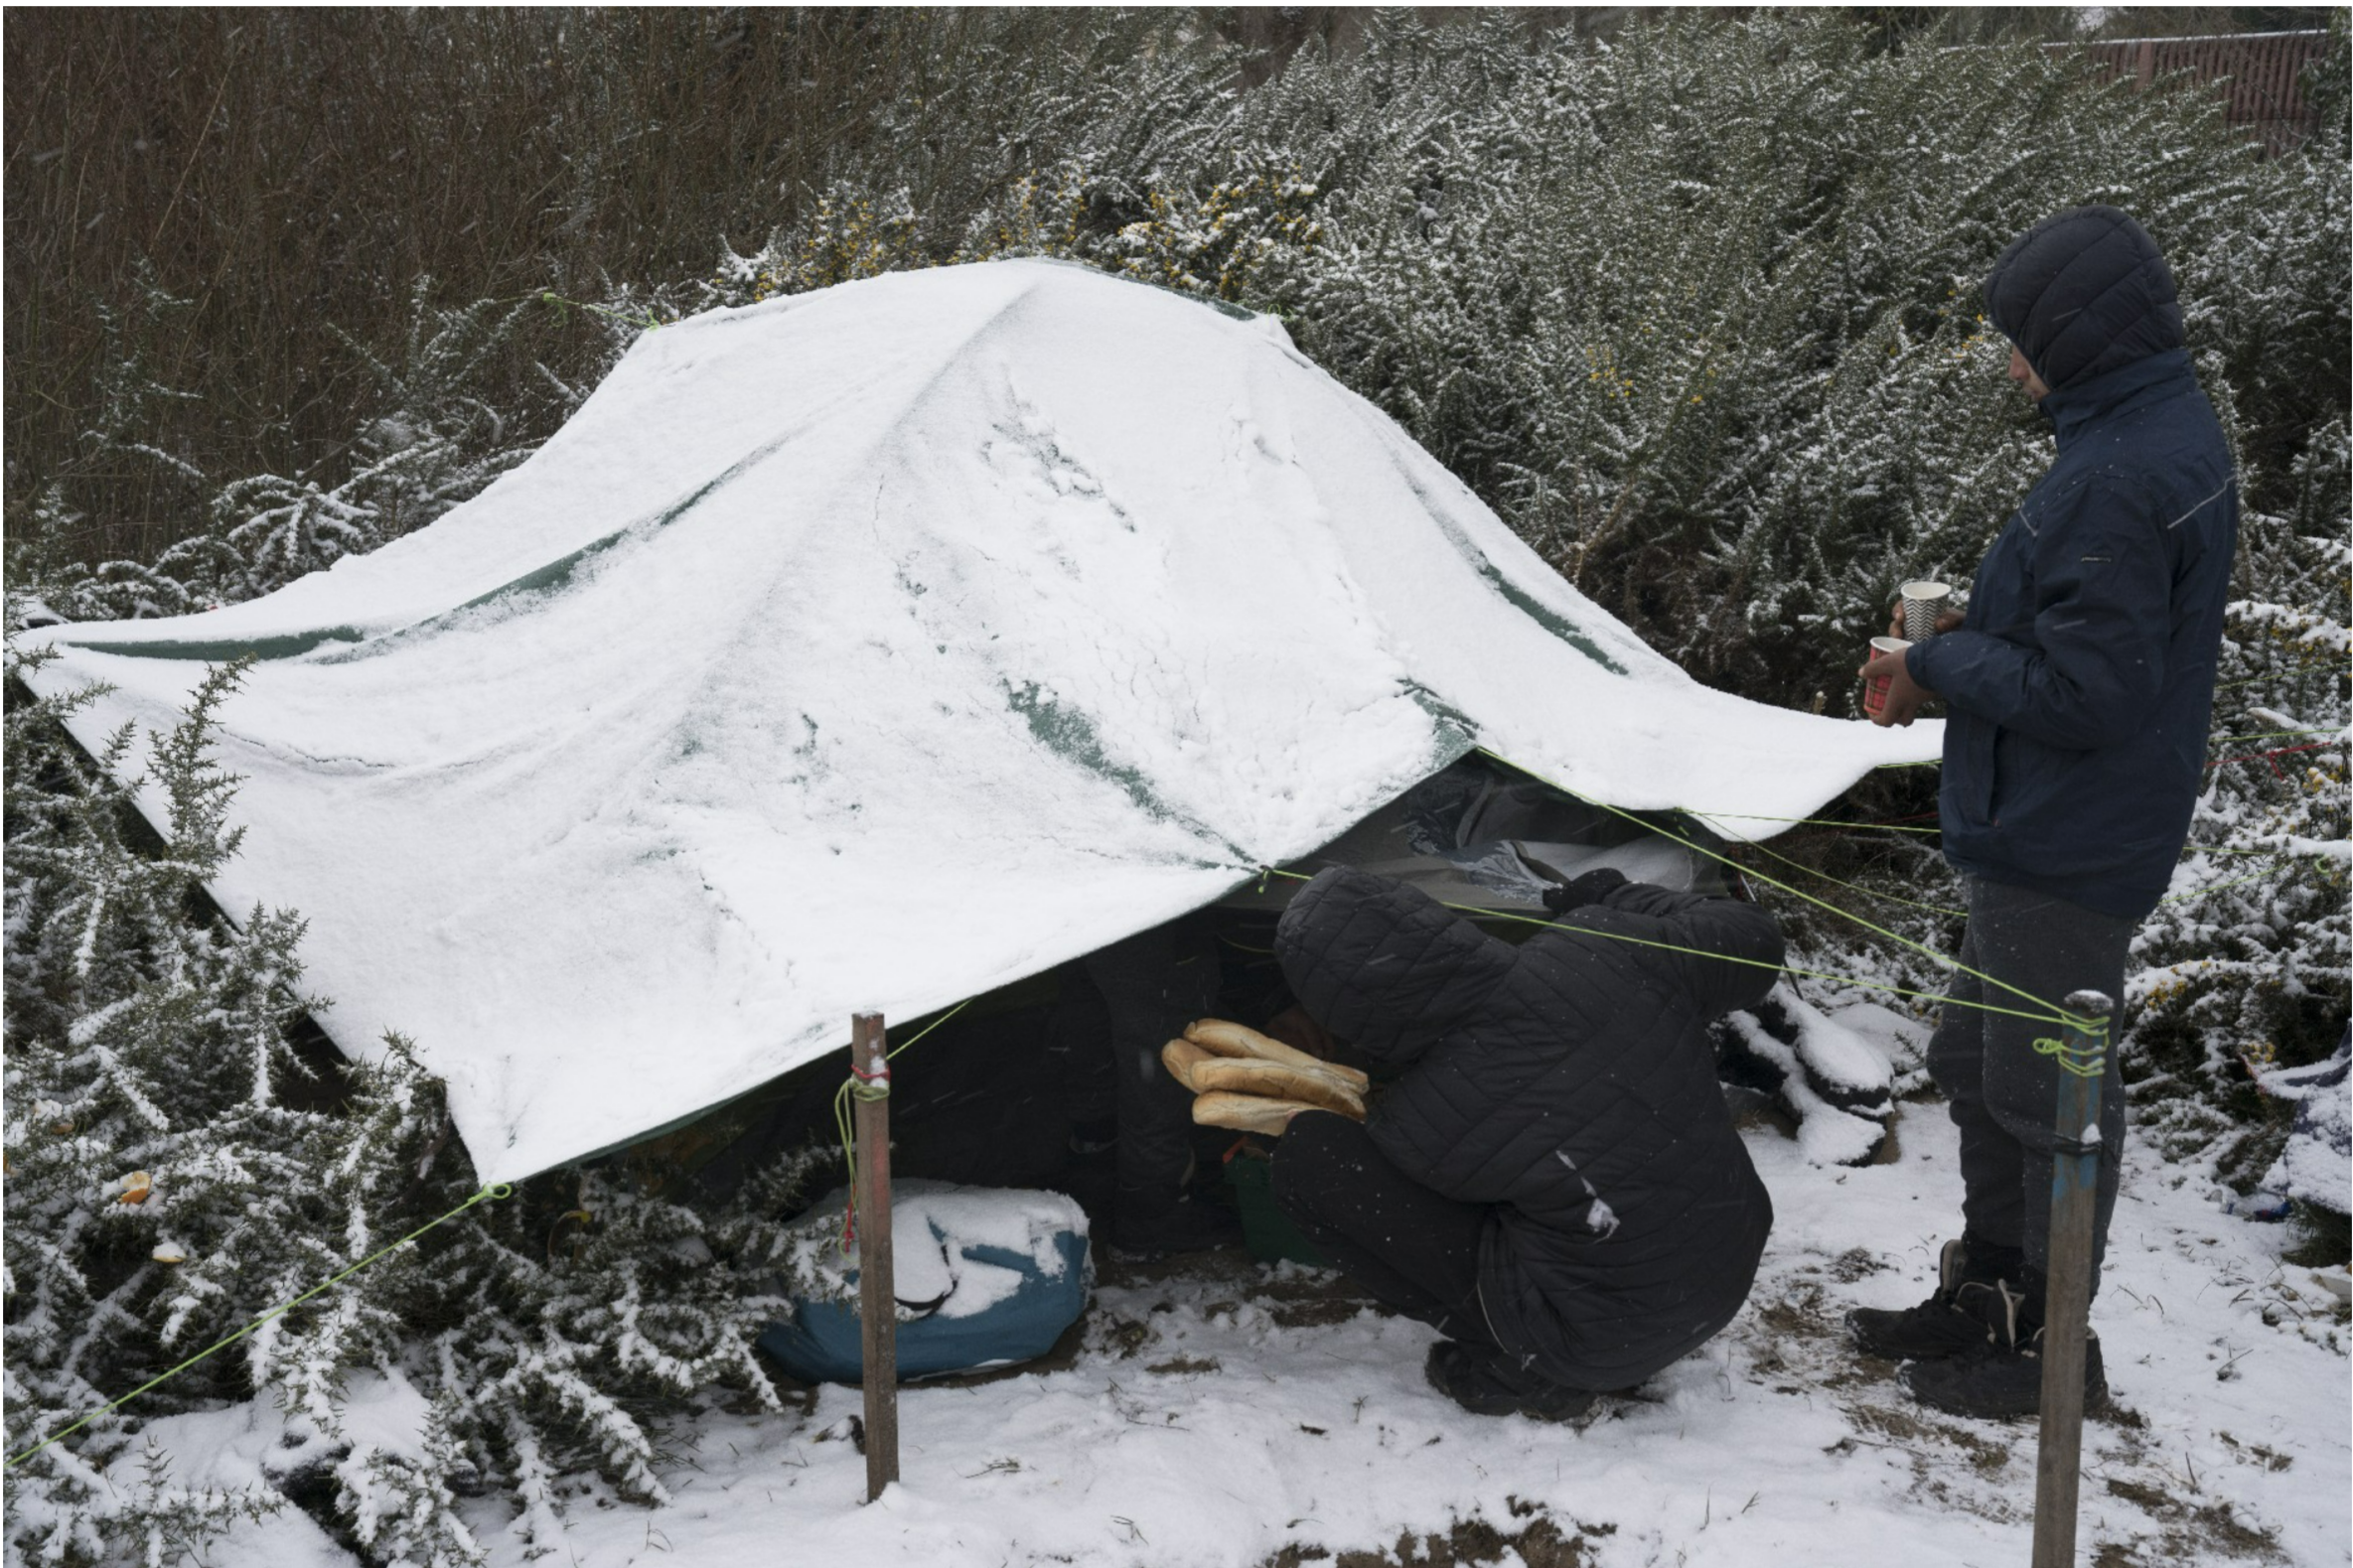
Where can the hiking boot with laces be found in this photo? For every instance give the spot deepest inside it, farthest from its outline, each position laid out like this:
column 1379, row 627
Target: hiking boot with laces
column 1940, row 1326
column 1488, row 1381
column 2002, row 1378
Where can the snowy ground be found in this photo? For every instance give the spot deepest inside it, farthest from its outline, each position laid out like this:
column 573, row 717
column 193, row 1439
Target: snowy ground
column 1233, row 1414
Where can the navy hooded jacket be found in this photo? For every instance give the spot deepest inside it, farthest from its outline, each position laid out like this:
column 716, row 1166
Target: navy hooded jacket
column 2081, row 683
column 1569, row 1085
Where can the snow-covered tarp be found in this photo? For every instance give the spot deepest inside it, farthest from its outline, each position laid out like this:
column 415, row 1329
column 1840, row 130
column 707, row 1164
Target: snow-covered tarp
column 873, row 647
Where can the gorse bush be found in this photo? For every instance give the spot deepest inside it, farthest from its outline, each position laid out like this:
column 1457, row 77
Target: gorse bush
column 166, row 1181
column 1697, row 314
column 2247, row 966
column 432, row 443
column 176, row 1169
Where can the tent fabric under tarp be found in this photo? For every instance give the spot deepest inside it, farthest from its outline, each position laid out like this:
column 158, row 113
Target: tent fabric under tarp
column 868, row 649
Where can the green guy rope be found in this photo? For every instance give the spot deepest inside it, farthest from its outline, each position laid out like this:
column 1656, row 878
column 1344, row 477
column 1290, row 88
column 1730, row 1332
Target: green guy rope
column 2279, row 675
column 2235, row 882
column 1933, row 908
column 2057, row 1014
column 2087, row 1061
column 1809, row 821
column 495, row 1190
column 1700, row 953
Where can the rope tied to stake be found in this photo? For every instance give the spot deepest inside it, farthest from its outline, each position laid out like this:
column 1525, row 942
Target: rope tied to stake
column 871, row 1089
column 2086, row 1059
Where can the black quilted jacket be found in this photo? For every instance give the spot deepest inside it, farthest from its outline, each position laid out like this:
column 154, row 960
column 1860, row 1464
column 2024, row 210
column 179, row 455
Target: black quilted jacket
column 1569, row 1083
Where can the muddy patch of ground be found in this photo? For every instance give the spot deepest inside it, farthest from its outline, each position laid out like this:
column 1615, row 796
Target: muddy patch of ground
column 1542, row 1541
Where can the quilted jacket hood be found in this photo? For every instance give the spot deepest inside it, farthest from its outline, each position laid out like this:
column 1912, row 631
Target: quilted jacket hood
column 2082, row 293
column 1386, row 975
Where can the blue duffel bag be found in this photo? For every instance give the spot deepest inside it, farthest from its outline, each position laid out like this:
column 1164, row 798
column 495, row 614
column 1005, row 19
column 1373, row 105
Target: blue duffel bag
column 983, row 1276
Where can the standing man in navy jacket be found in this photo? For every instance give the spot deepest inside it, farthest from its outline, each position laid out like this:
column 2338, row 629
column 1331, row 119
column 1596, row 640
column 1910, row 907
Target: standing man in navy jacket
column 2077, row 687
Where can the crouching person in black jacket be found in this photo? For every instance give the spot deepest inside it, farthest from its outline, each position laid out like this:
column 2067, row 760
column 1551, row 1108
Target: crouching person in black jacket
column 1554, row 1183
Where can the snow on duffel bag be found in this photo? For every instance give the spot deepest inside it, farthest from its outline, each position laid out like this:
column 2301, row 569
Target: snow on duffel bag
column 983, row 1276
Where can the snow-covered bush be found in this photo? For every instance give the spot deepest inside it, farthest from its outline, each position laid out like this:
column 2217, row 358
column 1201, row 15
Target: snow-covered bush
column 430, row 444
column 1697, row 314
column 845, row 237
column 2249, row 962
column 173, row 1169
column 177, row 1167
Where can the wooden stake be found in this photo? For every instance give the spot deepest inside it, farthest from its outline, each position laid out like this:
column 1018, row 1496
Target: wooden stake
column 878, row 1306
column 2067, row 1300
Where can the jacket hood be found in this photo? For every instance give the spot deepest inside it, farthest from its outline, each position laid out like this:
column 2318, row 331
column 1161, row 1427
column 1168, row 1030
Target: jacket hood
column 2087, row 403
column 2082, row 293
column 1385, row 966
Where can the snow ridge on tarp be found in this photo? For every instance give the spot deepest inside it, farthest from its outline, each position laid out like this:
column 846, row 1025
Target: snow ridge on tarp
column 870, row 648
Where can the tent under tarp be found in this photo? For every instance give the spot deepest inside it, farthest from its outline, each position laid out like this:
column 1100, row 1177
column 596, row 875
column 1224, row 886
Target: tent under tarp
column 874, row 648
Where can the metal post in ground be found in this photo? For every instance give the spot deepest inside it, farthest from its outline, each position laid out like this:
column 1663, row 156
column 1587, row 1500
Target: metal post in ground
column 878, row 1308
column 2075, row 1194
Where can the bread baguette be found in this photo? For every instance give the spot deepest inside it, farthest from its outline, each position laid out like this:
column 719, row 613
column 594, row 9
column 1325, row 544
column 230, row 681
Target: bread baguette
column 1273, row 1081
column 1233, row 1040
column 1248, row 1112
column 1181, row 1056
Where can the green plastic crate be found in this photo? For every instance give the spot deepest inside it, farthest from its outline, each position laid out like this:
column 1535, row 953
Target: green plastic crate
column 1267, row 1231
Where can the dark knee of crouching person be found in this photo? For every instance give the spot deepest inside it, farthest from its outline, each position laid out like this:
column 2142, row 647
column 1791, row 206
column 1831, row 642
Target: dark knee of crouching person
column 1321, row 1156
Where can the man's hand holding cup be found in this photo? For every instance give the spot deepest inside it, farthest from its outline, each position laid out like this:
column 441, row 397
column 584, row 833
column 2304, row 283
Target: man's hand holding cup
column 1891, row 695
column 1946, row 621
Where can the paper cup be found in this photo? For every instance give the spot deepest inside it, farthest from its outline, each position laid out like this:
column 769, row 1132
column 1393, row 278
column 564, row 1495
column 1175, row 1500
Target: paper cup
column 1923, row 602
column 1874, row 690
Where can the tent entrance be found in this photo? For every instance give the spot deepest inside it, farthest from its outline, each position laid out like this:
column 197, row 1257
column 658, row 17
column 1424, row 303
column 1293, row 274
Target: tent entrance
column 992, row 1097
column 1481, row 834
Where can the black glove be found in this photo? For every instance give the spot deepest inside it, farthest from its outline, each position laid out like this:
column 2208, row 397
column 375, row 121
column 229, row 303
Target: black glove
column 1592, row 888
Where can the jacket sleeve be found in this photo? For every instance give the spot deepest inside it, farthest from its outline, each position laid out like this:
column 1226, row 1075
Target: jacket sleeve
column 1688, row 925
column 2102, row 617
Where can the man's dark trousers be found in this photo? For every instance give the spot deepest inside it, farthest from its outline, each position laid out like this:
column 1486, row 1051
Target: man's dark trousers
column 1415, row 1250
column 2002, row 1072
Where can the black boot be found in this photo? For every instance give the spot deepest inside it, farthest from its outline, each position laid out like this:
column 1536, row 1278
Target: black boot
column 1489, row 1382
column 1937, row 1327
column 2003, row 1376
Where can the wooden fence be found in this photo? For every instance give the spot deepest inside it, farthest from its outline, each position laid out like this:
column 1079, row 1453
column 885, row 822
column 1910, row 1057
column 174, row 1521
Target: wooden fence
column 2260, row 73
